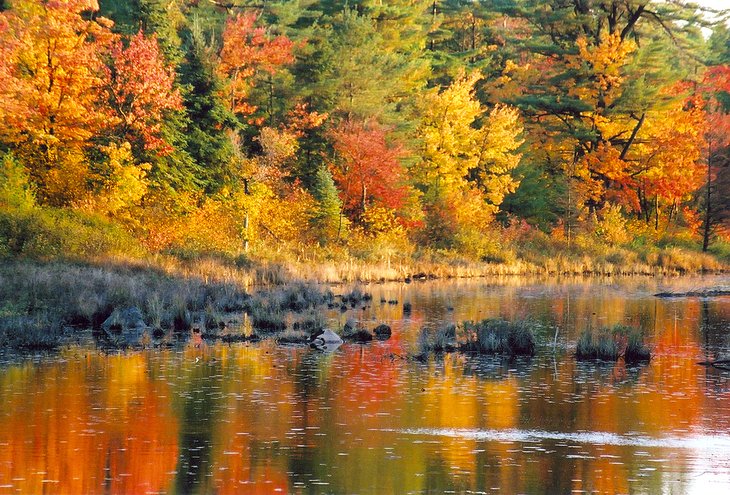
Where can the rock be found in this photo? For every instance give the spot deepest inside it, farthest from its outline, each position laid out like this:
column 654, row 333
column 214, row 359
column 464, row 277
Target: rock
column 321, row 337
column 125, row 327
column 710, row 292
column 382, row 332
column 350, row 326
column 325, row 340
column 123, row 320
column 360, row 335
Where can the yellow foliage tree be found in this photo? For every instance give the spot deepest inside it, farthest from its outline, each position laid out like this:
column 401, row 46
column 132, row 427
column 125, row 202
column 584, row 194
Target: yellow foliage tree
column 497, row 155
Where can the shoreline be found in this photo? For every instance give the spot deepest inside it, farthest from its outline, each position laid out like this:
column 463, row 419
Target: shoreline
column 42, row 303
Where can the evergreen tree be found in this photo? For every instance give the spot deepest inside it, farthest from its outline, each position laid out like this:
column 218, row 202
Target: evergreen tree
column 327, row 220
column 207, row 117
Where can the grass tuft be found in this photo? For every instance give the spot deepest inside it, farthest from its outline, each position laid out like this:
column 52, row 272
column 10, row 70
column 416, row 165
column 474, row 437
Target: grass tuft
column 608, row 344
column 30, row 333
column 443, row 339
column 498, row 336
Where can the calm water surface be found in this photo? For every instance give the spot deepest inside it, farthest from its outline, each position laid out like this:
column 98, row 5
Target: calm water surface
column 259, row 418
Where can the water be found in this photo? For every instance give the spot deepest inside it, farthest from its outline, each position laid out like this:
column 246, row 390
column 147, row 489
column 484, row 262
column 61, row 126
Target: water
column 257, row 418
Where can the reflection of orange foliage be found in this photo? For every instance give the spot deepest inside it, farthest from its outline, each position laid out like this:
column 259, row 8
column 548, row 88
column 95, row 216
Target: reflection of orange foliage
column 66, row 431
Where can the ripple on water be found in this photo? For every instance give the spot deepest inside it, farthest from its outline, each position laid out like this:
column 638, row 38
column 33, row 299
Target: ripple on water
column 694, row 442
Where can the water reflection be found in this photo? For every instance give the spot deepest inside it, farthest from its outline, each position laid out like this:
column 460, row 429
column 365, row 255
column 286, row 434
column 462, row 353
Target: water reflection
column 256, row 418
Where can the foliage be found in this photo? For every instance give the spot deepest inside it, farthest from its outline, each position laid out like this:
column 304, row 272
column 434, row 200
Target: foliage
column 576, row 136
column 367, row 171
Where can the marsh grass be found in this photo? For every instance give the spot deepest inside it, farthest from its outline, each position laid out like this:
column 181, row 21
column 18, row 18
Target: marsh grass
column 599, row 345
column 310, row 322
column 295, row 337
column 84, row 295
column 356, row 296
column 267, row 318
column 30, row 333
column 636, row 351
column 609, row 344
column 498, row 336
column 440, row 340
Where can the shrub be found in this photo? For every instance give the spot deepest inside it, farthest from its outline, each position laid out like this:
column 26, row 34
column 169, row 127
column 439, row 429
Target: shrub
column 48, row 232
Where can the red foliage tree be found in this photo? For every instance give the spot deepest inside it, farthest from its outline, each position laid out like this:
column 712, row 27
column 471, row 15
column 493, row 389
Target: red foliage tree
column 368, row 170
column 141, row 90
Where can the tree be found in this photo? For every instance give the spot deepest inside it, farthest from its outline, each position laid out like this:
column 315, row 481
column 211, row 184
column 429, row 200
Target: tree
column 367, row 169
column 449, row 148
column 466, row 170
column 351, row 72
column 248, row 50
column 208, row 118
column 141, row 91
column 51, row 70
column 498, row 142
column 715, row 90
column 594, row 80
column 326, row 219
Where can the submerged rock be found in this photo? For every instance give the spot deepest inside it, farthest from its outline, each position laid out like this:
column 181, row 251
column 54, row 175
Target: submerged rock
column 126, row 326
column 360, row 335
column 711, row 292
column 382, row 332
column 123, row 320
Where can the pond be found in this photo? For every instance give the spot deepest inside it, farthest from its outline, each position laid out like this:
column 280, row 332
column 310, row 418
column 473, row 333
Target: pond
column 367, row 419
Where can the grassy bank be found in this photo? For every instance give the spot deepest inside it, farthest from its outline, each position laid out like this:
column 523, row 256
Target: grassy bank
column 64, row 269
column 34, row 233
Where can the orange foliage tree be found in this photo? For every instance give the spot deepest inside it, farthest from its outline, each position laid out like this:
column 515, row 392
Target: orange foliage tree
column 247, row 50
column 67, row 82
column 51, row 70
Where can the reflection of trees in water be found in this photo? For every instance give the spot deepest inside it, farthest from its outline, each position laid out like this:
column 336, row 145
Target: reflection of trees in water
column 199, row 415
column 714, row 324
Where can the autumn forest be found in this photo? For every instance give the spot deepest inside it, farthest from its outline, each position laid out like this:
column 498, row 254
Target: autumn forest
column 509, row 132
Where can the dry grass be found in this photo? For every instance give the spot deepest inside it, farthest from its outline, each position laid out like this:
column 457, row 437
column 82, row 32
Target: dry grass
column 55, row 295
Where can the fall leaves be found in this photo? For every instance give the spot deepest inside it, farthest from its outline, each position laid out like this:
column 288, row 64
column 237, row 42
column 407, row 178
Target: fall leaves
column 313, row 124
column 70, row 87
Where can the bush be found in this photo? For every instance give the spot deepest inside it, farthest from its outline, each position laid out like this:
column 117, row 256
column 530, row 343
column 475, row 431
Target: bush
column 48, row 233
